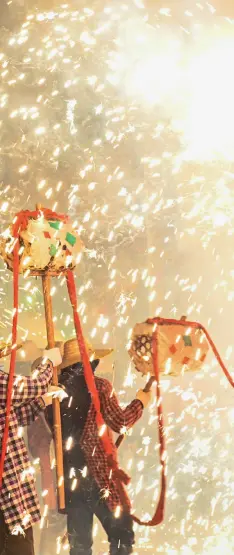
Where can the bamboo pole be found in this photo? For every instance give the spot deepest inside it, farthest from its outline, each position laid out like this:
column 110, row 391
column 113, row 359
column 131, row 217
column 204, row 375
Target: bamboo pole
column 56, row 404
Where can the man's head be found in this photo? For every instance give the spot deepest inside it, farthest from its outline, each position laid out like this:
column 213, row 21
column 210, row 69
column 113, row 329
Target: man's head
column 79, row 366
column 72, row 355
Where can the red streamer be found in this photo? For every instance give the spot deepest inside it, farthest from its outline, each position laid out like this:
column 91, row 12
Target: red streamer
column 159, row 512
column 20, row 223
column 160, row 509
column 13, row 358
column 118, row 473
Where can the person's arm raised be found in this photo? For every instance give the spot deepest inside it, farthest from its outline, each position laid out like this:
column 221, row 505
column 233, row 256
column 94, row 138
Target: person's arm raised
column 29, row 388
column 116, row 417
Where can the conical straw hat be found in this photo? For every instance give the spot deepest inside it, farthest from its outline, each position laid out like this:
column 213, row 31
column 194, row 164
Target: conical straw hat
column 72, row 354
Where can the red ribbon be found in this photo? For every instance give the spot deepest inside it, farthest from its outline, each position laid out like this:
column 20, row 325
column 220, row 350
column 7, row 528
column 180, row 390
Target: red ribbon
column 160, row 509
column 13, row 358
column 21, row 222
column 118, row 473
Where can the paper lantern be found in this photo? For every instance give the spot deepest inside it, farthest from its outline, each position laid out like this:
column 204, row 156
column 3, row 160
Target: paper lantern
column 180, row 347
column 46, row 244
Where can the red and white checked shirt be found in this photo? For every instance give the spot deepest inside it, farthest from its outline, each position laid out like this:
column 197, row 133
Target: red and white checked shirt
column 116, row 419
column 18, row 498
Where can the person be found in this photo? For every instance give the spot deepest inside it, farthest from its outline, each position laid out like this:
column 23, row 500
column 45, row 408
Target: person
column 90, row 488
column 19, row 506
column 40, row 447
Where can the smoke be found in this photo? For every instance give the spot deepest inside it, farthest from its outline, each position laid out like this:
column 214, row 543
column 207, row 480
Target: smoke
column 187, row 76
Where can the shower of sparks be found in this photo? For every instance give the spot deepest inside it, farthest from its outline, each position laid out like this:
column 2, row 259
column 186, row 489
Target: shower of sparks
column 121, row 115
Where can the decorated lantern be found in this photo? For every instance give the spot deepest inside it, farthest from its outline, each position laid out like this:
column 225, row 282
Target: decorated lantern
column 40, row 243
column 168, row 347
column 181, row 347
column 47, row 243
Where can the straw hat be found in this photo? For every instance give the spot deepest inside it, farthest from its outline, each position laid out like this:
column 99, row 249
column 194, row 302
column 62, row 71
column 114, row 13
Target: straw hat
column 6, row 348
column 71, row 353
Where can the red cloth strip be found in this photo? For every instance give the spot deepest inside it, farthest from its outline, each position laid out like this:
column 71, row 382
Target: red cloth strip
column 13, row 357
column 118, row 473
column 21, row 222
column 159, row 512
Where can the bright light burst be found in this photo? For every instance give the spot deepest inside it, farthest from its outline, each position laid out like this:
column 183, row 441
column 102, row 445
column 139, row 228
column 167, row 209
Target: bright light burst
column 121, row 114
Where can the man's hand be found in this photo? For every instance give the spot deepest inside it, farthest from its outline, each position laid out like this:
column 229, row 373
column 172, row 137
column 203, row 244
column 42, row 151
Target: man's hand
column 144, row 397
column 53, row 392
column 54, row 355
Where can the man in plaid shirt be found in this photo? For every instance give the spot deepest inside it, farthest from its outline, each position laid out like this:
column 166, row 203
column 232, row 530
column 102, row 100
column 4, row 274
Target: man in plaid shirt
column 19, row 506
column 90, row 488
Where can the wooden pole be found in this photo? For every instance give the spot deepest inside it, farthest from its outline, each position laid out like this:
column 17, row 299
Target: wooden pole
column 56, row 404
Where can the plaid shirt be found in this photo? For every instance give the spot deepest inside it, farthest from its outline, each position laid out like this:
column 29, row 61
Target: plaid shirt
column 18, row 498
column 118, row 420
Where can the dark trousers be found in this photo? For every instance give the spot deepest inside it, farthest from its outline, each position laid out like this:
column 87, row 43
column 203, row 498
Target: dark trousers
column 80, row 526
column 15, row 545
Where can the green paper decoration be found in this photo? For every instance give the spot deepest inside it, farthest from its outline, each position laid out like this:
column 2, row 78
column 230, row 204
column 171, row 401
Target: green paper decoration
column 53, row 250
column 56, row 224
column 187, row 340
column 71, row 239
